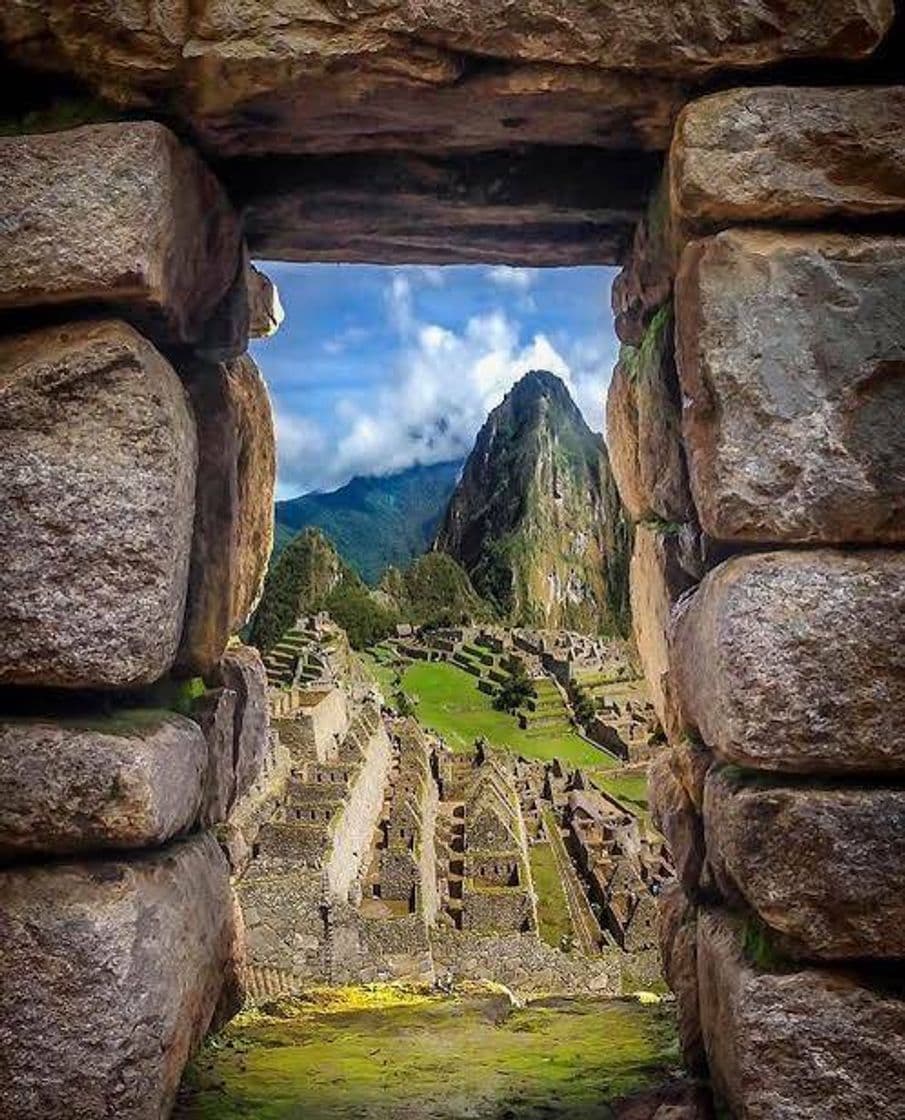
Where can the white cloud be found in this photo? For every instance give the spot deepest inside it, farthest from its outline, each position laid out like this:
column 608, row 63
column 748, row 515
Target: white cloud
column 521, row 279
column 441, row 386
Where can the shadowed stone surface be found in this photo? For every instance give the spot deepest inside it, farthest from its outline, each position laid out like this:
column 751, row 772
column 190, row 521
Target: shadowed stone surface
column 805, row 1045
column 674, row 815
column 678, row 951
column 126, row 781
column 794, row 661
column 554, row 206
column 97, row 480
column 791, row 353
column 416, row 75
column 242, row 670
column 233, row 533
column 121, row 214
column 110, row 974
column 645, row 282
column 656, row 579
column 644, row 427
column 215, row 712
column 785, row 155
column 821, row 866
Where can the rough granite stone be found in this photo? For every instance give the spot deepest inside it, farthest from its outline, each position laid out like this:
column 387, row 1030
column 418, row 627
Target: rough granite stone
column 821, row 865
column 678, row 951
column 656, row 580
column 791, row 354
column 644, row 427
column 782, row 154
column 471, row 75
column 130, row 780
column 797, row 1045
column 674, row 815
column 97, row 484
column 234, row 511
column 110, row 975
column 215, row 713
column 794, row 661
column 122, row 214
column 242, row 670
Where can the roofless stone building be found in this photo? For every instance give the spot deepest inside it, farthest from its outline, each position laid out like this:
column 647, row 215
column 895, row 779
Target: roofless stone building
column 745, row 163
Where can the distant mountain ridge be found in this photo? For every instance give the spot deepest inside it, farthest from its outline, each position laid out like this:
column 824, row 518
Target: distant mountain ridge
column 536, row 520
column 377, row 521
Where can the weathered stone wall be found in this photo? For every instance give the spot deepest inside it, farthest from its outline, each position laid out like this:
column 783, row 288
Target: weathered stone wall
column 524, row 963
column 136, row 514
column 756, row 432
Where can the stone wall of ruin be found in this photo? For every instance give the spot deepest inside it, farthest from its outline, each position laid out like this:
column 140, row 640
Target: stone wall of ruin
column 757, row 431
column 136, row 487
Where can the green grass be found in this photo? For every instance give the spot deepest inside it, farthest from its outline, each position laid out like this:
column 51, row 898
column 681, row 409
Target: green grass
column 449, row 702
column 382, row 672
column 553, row 919
column 433, row 1059
column 630, row 789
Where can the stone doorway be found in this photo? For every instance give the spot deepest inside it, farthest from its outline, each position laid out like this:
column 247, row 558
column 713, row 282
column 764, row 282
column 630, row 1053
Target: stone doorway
column 745, row 170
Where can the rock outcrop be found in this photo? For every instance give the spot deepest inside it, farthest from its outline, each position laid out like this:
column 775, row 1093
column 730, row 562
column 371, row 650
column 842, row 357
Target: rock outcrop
column 528, row 518
column 97, row 494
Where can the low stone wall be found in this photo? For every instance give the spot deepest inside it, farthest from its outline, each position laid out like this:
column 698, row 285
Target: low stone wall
column 524, row 963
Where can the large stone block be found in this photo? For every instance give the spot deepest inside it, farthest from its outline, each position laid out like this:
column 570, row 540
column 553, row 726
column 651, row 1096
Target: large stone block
column 821, row 866
column 97, row 497
column 677, row 928
column 674, row 814
column 797, row 1045
column 110, row 974
column 791, row 354
column 242, row 671
column 644, row 427
column 234, row 512
column 294, row 77
column 129, row 780
column 785, row 154
column 794, row 661
column 656, row 579
column 121, row 214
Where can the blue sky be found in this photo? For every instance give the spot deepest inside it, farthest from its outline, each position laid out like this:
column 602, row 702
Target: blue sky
column 376, row 368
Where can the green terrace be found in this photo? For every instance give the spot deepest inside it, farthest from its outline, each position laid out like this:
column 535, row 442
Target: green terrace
column 449, row 702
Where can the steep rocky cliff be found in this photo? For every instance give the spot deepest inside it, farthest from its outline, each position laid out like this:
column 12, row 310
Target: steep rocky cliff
column 535, row 519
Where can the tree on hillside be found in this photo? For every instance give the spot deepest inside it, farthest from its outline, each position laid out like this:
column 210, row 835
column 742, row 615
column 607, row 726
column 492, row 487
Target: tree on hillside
column 307, row 570
column 365, row 620
column 515, row 690
column 582, row 705
column 438, row 592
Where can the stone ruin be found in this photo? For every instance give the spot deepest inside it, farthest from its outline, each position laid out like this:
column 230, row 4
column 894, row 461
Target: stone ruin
column 743, row 162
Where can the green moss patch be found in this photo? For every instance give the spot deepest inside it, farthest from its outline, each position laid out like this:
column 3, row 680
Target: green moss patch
column 432, row 1059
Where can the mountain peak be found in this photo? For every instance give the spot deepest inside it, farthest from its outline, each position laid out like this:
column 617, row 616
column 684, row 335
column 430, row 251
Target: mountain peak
column 532, row 517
